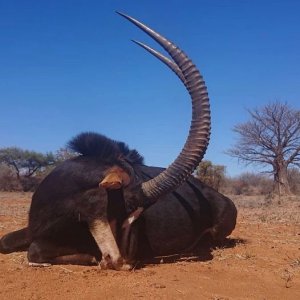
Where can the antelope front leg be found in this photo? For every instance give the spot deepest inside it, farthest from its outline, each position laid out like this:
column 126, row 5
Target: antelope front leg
column 102, row 233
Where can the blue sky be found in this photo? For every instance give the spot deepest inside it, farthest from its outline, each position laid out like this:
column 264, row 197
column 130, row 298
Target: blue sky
column 69, row 66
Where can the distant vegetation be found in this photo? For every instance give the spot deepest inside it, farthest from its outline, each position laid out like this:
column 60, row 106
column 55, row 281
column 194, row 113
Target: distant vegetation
column 23, row 170
column 270, row 139
column 210, row 174
column 247, row 183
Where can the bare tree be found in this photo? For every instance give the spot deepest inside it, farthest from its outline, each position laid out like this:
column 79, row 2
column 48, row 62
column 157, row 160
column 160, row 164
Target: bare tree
column 271, row 139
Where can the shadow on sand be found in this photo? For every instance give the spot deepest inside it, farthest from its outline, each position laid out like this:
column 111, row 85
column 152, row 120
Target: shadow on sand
column 200, row 253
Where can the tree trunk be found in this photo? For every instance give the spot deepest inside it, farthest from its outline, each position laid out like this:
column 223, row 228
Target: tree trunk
column 281, row 183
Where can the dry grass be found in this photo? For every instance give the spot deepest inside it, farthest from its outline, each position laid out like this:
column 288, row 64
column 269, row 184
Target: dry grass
column 269, row 210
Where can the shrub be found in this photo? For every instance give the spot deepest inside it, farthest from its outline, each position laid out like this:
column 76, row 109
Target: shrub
column 248, row 184
column 8, row 179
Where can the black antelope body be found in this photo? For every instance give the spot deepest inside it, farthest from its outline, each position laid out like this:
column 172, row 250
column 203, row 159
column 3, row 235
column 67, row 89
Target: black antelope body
column 84, row 210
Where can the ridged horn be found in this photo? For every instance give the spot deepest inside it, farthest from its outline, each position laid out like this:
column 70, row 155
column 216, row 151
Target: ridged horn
column 198, row 137
column 167, row 61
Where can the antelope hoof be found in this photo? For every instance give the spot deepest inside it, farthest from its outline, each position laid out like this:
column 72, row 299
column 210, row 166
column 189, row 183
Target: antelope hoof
column 108, row 263
column 118, row 265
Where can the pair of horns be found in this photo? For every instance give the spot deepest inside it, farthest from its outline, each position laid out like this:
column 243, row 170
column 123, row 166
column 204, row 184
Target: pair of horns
column 198, row 137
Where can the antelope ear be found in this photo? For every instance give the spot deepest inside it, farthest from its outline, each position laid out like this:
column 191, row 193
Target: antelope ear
column 115, row 178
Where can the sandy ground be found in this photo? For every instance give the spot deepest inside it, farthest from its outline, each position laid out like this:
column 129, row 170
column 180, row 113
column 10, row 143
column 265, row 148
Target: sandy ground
column 260, row 261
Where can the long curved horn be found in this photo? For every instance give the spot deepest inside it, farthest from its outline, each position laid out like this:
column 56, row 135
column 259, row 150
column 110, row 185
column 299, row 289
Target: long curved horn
column 167, row 61
column 198, row 137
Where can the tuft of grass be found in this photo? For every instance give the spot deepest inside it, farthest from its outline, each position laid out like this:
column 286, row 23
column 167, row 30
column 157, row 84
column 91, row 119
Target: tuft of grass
column 246, row 255
column 287, row 276
column 263, row 218
column 295, row 262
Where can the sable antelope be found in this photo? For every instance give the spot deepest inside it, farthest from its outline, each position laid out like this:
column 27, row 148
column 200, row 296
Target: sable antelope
column 74, row 206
